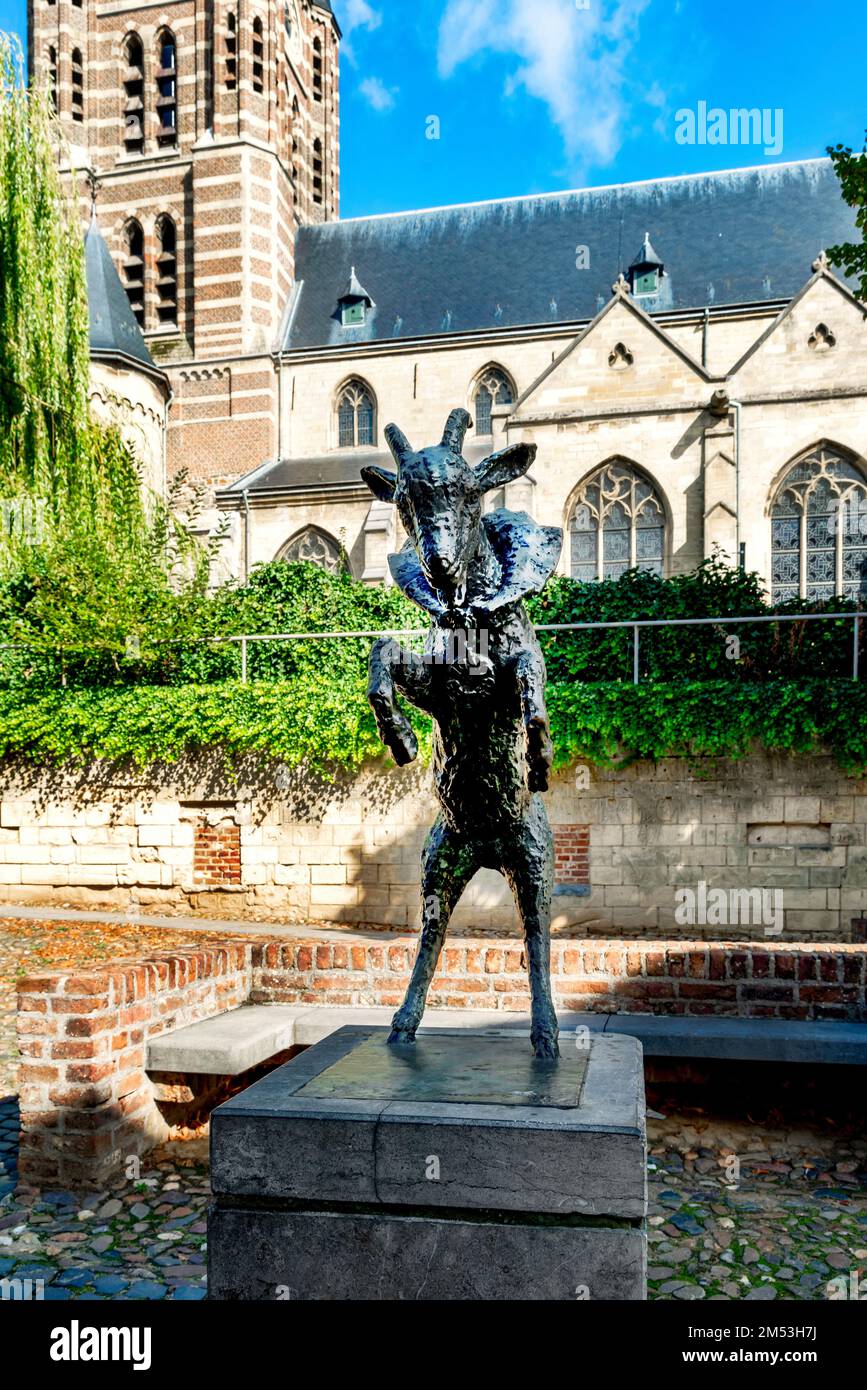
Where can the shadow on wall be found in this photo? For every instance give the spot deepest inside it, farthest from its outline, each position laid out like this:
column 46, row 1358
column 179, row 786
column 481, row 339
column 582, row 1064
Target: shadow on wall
column 769, row 848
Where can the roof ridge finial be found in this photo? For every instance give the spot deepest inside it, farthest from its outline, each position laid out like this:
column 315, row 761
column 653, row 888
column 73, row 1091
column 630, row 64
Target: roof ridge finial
column 821, row 264
column 621, row 285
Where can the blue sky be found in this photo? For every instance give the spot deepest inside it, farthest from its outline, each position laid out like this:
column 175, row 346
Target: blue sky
column 537, row 95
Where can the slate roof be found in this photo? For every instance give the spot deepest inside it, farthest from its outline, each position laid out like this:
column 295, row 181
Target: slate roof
column 325, row 471
column 114, row 331
column 735, row 237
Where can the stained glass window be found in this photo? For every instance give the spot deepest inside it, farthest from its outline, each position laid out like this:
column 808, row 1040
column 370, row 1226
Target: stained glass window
column 819, row 529
column 315, row 547
column 617, row 524
column 356, row 416
column 492, row 388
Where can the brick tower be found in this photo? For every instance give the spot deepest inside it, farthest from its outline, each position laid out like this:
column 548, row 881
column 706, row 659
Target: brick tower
column 213, row 128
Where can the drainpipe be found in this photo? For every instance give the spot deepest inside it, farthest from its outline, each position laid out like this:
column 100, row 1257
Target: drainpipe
column 704, row 337
column 246, row 496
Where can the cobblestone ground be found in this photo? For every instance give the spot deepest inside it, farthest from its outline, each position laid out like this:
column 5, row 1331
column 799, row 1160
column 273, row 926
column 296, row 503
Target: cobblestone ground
column 790, row 1227
column 135, row 1240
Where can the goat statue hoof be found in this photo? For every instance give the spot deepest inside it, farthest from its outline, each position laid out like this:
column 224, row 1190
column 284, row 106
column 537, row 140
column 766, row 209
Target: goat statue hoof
column 545, row 1046
column 398, row 1036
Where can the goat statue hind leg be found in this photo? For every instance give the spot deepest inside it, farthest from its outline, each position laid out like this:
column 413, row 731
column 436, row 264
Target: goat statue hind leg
column 530, row 874
column 449, row 861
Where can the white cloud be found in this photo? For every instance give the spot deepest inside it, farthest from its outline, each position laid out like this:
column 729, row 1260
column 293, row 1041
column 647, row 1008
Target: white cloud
column 358, row 14
column 578, row 61
column 376, row 94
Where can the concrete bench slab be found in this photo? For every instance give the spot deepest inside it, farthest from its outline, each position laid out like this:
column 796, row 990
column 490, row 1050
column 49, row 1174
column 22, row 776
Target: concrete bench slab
column 227, row 1045
column 746, row 1039
column 242, row 1038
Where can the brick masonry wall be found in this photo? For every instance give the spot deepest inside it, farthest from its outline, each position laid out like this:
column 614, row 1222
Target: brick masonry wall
column 572, row 854
column 795, row 981
column 87, row 1104
column 217, row 854
column 791, row 832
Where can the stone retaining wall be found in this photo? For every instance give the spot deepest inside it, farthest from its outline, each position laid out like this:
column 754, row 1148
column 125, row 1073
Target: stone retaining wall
column 278, row 842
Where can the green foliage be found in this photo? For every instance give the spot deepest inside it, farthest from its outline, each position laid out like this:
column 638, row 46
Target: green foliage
column 43, row 372
column 91, row 568
column 765, row 651
column 851, row 170
column 320, row 719
column 603, row 722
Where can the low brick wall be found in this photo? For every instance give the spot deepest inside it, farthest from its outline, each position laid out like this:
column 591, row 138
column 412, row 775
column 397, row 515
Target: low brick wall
column 87, row 1104
column 276, row 841
column 795, row 981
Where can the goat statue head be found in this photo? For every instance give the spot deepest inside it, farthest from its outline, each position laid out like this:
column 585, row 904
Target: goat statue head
column 439, row 498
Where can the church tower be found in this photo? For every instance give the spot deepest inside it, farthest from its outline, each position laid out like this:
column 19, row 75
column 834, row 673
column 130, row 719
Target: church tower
column 212, row 127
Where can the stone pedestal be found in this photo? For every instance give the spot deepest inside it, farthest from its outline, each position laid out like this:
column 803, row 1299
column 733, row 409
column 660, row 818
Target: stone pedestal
column 457, row 1168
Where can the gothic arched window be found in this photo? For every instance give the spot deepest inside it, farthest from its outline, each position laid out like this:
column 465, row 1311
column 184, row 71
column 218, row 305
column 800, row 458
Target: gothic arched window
column 52, row 77
column 819, row 529
column 77, row 85
column 133, row 87
column 318, row 183
column 295, row 131
column 258, row 57
column 133, row 268
column 317, row 69
column 231, row 52
column 356, row 415
column 316, row 547
column 167, row 88
column 493, row 387
column 617, row 524
column 167, row 272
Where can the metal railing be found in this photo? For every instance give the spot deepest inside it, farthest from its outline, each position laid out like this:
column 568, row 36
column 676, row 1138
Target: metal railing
column 635, row 624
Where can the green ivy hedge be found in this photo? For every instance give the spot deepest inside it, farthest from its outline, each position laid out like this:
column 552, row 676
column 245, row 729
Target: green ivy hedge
column 330, row 726
column 788, row 690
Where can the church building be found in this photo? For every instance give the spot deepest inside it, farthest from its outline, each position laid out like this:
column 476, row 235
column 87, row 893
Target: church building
column 689, row 365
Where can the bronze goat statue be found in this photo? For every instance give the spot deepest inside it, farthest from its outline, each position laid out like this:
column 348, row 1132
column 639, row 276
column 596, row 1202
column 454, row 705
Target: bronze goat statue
column 482, row 679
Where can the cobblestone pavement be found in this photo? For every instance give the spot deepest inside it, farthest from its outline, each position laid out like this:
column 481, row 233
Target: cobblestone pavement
column 785, row 1230
column 135, row 1240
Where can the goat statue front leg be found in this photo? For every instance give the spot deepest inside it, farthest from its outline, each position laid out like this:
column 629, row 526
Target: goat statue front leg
column 530, row 673
column 393, row 668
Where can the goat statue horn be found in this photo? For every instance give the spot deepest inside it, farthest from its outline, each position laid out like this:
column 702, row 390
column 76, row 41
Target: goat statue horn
column 397, row 443
column 456, row 427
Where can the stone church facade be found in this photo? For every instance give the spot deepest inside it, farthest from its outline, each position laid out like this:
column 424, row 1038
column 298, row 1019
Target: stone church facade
column 691, row 369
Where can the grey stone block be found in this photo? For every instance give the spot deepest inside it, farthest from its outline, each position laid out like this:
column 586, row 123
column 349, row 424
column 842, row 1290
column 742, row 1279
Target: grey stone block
column 308, row 1255
column 274, row 1141
column 326, row 1188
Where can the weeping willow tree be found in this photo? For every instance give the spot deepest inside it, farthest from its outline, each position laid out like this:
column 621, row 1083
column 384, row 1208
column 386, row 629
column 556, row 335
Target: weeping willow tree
column 91, row 567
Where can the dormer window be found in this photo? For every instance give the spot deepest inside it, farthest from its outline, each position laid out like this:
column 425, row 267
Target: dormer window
column 646, row 270
column 354, row 303
column 648, row 283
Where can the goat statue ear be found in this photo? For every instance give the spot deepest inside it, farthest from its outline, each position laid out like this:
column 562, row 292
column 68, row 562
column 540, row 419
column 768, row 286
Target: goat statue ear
column 380, row 481
column 504, row 467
